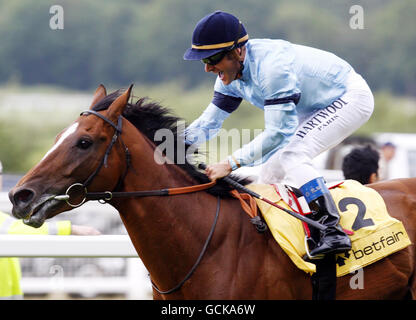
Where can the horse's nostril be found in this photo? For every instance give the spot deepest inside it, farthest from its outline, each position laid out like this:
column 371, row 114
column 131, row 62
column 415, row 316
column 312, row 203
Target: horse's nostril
column 23, row 196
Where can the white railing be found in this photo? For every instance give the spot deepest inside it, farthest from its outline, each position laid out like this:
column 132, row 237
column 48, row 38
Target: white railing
column 136, row 283
column 66, row 246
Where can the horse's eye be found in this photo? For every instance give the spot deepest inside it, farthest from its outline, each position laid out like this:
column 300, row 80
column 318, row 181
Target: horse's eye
column 84, row 144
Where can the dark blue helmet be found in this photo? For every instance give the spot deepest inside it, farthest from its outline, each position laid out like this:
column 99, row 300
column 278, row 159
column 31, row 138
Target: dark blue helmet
column 214, row 33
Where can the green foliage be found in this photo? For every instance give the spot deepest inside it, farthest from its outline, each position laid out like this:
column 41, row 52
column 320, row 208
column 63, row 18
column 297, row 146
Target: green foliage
column 26, row 134
column 121, row 42
column 391, row 114
column 26, row 137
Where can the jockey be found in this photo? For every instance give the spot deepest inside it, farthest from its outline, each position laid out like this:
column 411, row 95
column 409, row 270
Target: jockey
column 312, row 100
column 361, row 164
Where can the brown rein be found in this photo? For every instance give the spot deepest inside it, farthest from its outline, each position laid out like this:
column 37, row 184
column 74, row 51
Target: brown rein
column 161, row 192
column 106, row 196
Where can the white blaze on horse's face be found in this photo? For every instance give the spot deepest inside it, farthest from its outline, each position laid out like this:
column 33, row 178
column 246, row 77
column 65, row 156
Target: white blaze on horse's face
column 64, row 135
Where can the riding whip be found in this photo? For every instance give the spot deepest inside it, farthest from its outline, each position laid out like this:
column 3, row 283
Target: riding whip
column 240, row 187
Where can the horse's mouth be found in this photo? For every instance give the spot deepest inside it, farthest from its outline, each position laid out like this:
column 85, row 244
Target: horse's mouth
column 41, row 211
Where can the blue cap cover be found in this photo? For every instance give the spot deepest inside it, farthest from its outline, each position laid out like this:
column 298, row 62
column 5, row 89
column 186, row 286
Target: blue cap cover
column 214, row 33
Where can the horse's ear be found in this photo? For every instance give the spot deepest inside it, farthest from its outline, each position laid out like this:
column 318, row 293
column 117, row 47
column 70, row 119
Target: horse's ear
column 99, row 94
column 117, row 107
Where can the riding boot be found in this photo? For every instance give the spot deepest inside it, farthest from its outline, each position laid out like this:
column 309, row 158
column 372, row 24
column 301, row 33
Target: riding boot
column 333, row 239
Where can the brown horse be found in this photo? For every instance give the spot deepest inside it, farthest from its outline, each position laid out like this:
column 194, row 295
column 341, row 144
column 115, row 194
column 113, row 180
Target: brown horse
column 169, row 232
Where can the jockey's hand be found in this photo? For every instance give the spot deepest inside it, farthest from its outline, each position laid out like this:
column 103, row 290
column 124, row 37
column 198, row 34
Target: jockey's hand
column 218, row 170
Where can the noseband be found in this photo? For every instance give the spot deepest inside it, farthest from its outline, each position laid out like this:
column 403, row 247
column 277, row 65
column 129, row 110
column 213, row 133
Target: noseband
column 106, row 196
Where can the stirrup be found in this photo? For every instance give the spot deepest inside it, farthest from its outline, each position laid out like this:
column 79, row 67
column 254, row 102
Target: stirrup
column 308, row 256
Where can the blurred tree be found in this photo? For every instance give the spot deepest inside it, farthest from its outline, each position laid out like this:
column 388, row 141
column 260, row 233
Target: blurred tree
column 118, row 43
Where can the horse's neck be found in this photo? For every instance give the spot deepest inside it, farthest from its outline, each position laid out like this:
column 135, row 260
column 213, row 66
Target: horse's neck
column 167, row 231
column 412, row 184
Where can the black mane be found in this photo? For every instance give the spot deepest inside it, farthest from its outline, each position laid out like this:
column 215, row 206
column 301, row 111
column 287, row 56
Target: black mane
column 149, row 117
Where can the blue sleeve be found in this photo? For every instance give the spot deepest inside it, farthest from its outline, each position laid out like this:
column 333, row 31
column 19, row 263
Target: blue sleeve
column 278, row 81
column 223, row 103
column 226, row 103
column 280, row 125
column 206, row 126
column 281, row 94
column 227, row 90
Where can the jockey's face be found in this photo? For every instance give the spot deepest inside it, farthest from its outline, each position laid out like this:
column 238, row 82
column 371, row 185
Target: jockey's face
column 228, row 68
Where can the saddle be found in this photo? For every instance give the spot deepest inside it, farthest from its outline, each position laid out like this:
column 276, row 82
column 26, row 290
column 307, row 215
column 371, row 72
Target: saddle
column 374, row 233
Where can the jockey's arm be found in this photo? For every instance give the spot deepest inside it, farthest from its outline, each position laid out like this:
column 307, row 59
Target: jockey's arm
column 281, row 122
column 211, row 120
column 281, row 94
column 206, row 126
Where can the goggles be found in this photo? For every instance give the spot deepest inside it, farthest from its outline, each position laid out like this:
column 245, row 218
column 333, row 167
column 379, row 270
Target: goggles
column 215, row 59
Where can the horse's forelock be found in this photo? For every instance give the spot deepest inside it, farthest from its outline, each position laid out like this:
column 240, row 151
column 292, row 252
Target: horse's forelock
column 149, row 117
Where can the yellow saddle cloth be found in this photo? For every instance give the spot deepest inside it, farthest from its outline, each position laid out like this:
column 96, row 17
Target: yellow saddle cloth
column 362, row 209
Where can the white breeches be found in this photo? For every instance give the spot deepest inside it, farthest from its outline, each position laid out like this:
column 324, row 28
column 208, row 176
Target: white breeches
column 318, row 132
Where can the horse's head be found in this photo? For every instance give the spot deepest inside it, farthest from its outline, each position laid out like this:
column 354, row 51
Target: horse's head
column 77, row 157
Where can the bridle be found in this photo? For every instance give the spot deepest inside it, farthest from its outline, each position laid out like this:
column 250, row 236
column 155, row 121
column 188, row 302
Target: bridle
column 82, row 187
column 106, row 196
